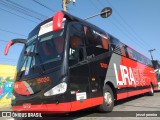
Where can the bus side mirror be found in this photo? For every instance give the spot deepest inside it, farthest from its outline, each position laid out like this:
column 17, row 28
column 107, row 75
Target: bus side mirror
column 57, row 21
column 10, row 43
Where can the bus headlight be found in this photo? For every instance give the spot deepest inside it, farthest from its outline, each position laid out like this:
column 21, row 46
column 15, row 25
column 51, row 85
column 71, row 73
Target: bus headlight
column 60, row 88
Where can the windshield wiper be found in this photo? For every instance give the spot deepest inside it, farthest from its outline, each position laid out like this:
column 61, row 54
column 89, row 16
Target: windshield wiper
column 41, row 67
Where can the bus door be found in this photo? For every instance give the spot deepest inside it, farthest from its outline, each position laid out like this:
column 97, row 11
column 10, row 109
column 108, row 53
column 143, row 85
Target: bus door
column 97, row 49
column 78, row 68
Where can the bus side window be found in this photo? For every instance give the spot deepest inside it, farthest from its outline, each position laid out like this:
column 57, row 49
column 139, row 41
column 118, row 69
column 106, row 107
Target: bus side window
column 129, row 53
column 96, row 43
column 123, row 50
column 145, row 60
column 76, row 54
column 132, row 54
column 135, row 56
column 105, row 43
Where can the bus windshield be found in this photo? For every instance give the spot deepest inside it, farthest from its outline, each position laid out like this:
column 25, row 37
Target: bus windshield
column 43, row 51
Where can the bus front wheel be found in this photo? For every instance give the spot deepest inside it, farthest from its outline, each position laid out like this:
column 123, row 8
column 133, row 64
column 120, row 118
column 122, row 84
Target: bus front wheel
column 108, row 100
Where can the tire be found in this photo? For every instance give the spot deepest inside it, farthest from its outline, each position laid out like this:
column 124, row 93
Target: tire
column 108, row 102
column 151, row 93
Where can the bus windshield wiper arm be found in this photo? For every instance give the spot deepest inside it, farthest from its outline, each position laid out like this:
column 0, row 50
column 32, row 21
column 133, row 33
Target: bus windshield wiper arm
column 41, row 66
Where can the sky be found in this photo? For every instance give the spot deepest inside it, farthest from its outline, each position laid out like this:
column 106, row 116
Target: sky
column 133, row 22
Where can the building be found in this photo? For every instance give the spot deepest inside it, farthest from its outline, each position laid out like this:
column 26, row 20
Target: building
column 7, row 73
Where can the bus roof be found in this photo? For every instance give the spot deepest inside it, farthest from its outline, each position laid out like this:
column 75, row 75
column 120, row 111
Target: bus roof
column 74, row 18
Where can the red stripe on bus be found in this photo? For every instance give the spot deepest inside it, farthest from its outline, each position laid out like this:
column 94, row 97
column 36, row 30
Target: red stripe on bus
column 77, row 105
column 121, row 96
column 133, row 93
column 61, row 107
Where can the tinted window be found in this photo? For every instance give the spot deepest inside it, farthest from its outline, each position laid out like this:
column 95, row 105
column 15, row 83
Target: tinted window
column 131, row 54
column 76, row 44
column 139, row 58
column 118, row 47
column 96, row 42
column 50, row 49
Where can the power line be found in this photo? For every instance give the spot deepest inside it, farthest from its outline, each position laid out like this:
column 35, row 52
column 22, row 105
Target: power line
column 94, row 4
column 17, row 15
column 18, row 9
column 11, row 7
column 27, row 9
column 122, row 26
column 125, row 23
column 128, row 35
column 3, row 41
column 100, row 3
column 43, row 5
column 157, row 51
column 12, row 32
column 21, row 9
column 8, row 59
column 7, row 42
column 135, row 33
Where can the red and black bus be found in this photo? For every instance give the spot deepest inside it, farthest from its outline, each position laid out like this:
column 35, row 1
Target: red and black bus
column 68, row 64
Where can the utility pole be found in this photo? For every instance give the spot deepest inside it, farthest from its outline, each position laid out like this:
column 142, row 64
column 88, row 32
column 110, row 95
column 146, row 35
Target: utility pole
column 64, row 2
column 64, row 6
column 151, row 52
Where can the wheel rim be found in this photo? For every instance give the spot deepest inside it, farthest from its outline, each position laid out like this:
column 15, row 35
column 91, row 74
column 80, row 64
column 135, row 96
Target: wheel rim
column 108, row 98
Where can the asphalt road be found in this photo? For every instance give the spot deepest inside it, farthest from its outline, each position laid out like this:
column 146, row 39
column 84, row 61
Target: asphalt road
column 132, row 108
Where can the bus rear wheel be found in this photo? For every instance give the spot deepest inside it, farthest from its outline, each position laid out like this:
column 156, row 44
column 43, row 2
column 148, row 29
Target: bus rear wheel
column 151, row 93
column 108, row 100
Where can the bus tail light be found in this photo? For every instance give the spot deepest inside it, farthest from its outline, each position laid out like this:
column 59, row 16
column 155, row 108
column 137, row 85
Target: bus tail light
column 60, row 88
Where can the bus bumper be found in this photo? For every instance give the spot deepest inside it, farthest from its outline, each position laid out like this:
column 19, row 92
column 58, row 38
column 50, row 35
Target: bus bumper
column 44, row 108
